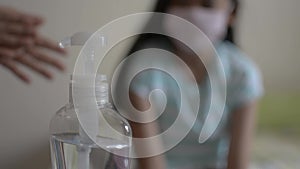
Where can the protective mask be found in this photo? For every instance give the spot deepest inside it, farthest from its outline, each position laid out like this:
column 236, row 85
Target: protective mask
column 212, row 22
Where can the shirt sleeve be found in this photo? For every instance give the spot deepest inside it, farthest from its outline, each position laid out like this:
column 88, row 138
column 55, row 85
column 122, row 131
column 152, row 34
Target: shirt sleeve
column 245, row 83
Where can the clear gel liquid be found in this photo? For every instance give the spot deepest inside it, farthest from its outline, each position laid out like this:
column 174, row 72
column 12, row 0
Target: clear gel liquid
column 68, row 151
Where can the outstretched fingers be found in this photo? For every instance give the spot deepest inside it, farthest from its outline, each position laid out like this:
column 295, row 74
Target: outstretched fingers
column 45, row 58
column 35, row 66
column 48, row 44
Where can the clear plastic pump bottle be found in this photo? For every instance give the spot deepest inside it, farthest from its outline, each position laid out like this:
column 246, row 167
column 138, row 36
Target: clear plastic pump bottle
column 71, row 148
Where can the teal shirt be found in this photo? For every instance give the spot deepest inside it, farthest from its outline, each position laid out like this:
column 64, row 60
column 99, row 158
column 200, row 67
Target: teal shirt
column 244, row 84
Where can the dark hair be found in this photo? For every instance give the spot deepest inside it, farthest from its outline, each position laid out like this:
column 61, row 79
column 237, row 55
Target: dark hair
column 161, row 7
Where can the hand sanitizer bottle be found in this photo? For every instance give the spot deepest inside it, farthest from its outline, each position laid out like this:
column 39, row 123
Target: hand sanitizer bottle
column 71, row 148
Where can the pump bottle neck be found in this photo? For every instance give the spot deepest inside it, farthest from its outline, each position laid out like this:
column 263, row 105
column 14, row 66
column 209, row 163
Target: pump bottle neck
column 101, row 92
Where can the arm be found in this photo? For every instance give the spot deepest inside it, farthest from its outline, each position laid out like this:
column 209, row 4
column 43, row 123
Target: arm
column 242, row 129
column 141, row 130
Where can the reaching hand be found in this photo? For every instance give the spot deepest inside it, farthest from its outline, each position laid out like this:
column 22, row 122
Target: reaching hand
column 20, row 43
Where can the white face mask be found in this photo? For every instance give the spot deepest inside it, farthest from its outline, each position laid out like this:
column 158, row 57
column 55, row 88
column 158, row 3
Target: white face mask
column 212, row 22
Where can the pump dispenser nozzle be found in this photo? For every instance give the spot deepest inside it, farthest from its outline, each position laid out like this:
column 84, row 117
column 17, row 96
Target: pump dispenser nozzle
column 77, row 39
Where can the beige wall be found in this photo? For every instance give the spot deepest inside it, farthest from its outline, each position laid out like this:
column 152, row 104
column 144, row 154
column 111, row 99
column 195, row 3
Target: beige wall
column 269, row 33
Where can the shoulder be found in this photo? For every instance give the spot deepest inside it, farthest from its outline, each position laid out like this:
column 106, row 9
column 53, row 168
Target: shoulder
column 236, row 62
column 244, row 79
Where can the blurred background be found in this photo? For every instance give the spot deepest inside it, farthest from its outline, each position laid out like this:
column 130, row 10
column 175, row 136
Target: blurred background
column 269, row 32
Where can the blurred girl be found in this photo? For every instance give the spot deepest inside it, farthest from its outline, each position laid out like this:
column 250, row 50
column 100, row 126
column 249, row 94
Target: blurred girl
column 230, row 145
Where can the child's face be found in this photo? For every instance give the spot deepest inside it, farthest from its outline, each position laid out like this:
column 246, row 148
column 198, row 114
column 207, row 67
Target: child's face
column 212, row 17
column 213, row 4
